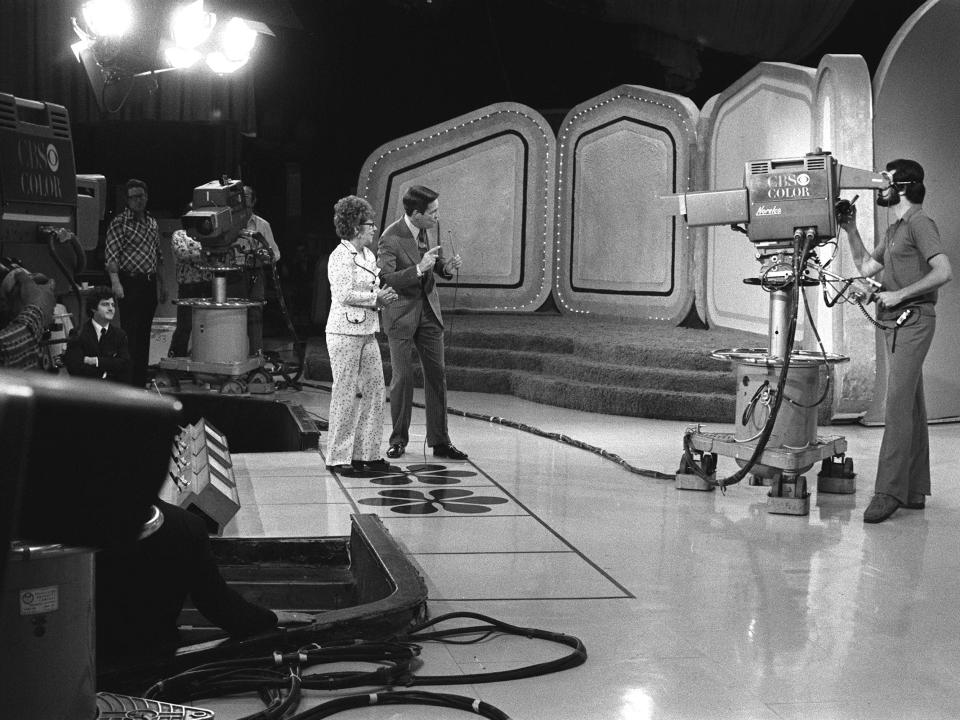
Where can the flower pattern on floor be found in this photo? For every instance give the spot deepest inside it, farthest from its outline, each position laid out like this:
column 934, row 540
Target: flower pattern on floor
column 429, row 474
column 414, row 502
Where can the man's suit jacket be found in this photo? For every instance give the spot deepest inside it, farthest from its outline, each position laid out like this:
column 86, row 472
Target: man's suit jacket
column 397, row 257
column 113, row 353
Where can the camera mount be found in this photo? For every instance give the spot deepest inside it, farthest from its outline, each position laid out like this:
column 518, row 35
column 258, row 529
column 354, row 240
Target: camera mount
column 788, row 207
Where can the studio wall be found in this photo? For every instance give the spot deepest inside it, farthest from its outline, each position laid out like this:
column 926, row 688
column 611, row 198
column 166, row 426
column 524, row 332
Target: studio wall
column 916, row 106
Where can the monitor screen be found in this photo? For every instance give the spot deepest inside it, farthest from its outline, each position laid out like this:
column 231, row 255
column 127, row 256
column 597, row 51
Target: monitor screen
column 94, row 455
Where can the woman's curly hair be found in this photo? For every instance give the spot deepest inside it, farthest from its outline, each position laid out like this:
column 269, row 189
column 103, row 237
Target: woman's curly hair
column 348, row 213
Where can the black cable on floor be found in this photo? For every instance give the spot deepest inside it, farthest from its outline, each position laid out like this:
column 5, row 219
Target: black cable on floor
column 558, row 437
column 407, row 697
column 492, row 626
column 278, row 678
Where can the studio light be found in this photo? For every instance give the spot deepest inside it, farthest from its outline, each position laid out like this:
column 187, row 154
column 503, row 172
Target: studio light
column 115, row 53
column 238, row 40
column 107, row 18
column 190, row 25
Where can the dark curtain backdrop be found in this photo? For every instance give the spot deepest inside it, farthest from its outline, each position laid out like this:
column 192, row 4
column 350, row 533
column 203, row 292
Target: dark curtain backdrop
column 36, row 63
column 675, row 31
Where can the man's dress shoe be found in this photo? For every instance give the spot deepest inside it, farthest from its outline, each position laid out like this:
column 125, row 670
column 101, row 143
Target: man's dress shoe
column 880, row 508
column 395, row 451
column 448, row 451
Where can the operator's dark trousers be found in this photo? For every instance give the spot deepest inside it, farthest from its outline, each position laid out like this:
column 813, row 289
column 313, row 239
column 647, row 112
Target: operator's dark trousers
column 137, row 307
column 904, row 465
column 427, row 342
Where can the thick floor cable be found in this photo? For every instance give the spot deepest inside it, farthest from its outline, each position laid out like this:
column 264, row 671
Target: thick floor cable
column 558, row 437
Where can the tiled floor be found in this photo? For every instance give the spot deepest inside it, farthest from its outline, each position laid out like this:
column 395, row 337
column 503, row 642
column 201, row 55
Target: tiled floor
column 691, row 605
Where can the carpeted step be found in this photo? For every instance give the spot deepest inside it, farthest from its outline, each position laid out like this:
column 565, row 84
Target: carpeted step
column 607, row 365
column 574, row 367
column 590, row 347
column 652, row 399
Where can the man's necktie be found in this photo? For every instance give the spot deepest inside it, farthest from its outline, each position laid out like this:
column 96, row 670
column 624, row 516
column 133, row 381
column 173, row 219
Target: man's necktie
column 103, row 331
column 422, row 244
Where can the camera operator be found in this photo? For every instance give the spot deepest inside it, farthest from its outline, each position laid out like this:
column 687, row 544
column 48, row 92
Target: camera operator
column 913, row 264
column 141, row 588
column 253, row 249
column 26, row 310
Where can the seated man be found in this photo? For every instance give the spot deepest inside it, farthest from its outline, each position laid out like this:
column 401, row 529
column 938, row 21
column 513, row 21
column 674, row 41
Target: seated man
column 99, row 349
column 141, row 589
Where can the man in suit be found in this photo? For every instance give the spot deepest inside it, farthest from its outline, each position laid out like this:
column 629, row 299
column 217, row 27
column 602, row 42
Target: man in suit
column 99, row 349
column 409, row 265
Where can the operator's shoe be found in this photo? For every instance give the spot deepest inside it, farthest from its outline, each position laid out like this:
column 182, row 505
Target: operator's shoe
column 395, row 451
column 880, row 508
column 916, row 501
column 446, row 450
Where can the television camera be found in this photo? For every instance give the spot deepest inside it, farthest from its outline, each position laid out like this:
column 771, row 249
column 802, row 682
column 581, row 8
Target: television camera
column 787, row 208
column 220, row 347
column 49, row 215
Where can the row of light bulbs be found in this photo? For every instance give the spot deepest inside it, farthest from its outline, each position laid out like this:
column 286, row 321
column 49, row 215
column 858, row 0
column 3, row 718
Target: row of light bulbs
column 191, row 31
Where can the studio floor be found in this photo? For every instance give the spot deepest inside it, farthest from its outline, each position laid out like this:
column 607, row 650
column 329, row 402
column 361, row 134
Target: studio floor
column 690, row 604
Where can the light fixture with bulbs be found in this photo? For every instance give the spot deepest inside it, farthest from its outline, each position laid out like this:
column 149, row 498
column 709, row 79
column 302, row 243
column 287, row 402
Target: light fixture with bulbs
column 104, row 26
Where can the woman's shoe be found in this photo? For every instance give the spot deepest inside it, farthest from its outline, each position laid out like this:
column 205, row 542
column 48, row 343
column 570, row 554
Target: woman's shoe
column 341, row 469
column 378, row 464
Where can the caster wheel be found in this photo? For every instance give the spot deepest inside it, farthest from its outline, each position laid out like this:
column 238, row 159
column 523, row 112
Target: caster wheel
column 233, row 387
column 165, row 382
column 260, row 382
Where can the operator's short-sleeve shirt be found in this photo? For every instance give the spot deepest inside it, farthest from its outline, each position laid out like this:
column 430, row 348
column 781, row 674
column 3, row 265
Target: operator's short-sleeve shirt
column 905, row 253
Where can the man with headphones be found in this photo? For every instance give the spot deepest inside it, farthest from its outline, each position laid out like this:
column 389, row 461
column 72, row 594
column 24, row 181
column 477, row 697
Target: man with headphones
column 912, row 263
column 99, row 349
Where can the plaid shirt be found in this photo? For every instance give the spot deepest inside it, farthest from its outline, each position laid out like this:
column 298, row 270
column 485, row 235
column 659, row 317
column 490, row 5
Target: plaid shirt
column 20, row 339
column 133, row 246
column 186, row 250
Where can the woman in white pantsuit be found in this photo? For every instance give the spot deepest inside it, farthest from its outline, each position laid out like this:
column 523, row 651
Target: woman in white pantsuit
column 357, row 398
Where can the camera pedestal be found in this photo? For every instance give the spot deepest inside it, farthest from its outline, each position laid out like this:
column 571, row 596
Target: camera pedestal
column 220, row 348
column 792, row 445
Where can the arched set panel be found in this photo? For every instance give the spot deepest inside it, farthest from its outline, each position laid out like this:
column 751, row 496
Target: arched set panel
column 843, row 124
column 494, row 170
column 916, row 106
column 617, row 251
column 766, row 114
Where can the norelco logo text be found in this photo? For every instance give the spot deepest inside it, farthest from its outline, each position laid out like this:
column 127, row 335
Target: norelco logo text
column 768, row 210
column 788, row 185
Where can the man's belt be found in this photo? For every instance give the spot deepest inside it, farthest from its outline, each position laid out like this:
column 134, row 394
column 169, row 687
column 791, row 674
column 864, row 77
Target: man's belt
column 146, row 276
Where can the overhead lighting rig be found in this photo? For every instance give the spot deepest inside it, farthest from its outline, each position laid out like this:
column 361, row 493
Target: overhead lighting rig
column 108, row 46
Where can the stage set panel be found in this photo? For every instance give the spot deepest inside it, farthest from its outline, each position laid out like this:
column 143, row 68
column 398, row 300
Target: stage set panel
column 916, row 106
column 617, row 251
column 767, row 113
column 494, row 170
column 843, row 122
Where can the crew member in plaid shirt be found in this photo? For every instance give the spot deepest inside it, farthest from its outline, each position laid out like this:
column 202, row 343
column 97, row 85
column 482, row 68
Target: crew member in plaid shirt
column 134, row 264
column 192, row 282
column 26, row 309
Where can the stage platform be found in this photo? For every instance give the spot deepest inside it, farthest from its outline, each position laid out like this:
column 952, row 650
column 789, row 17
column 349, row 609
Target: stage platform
column 691, row 605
